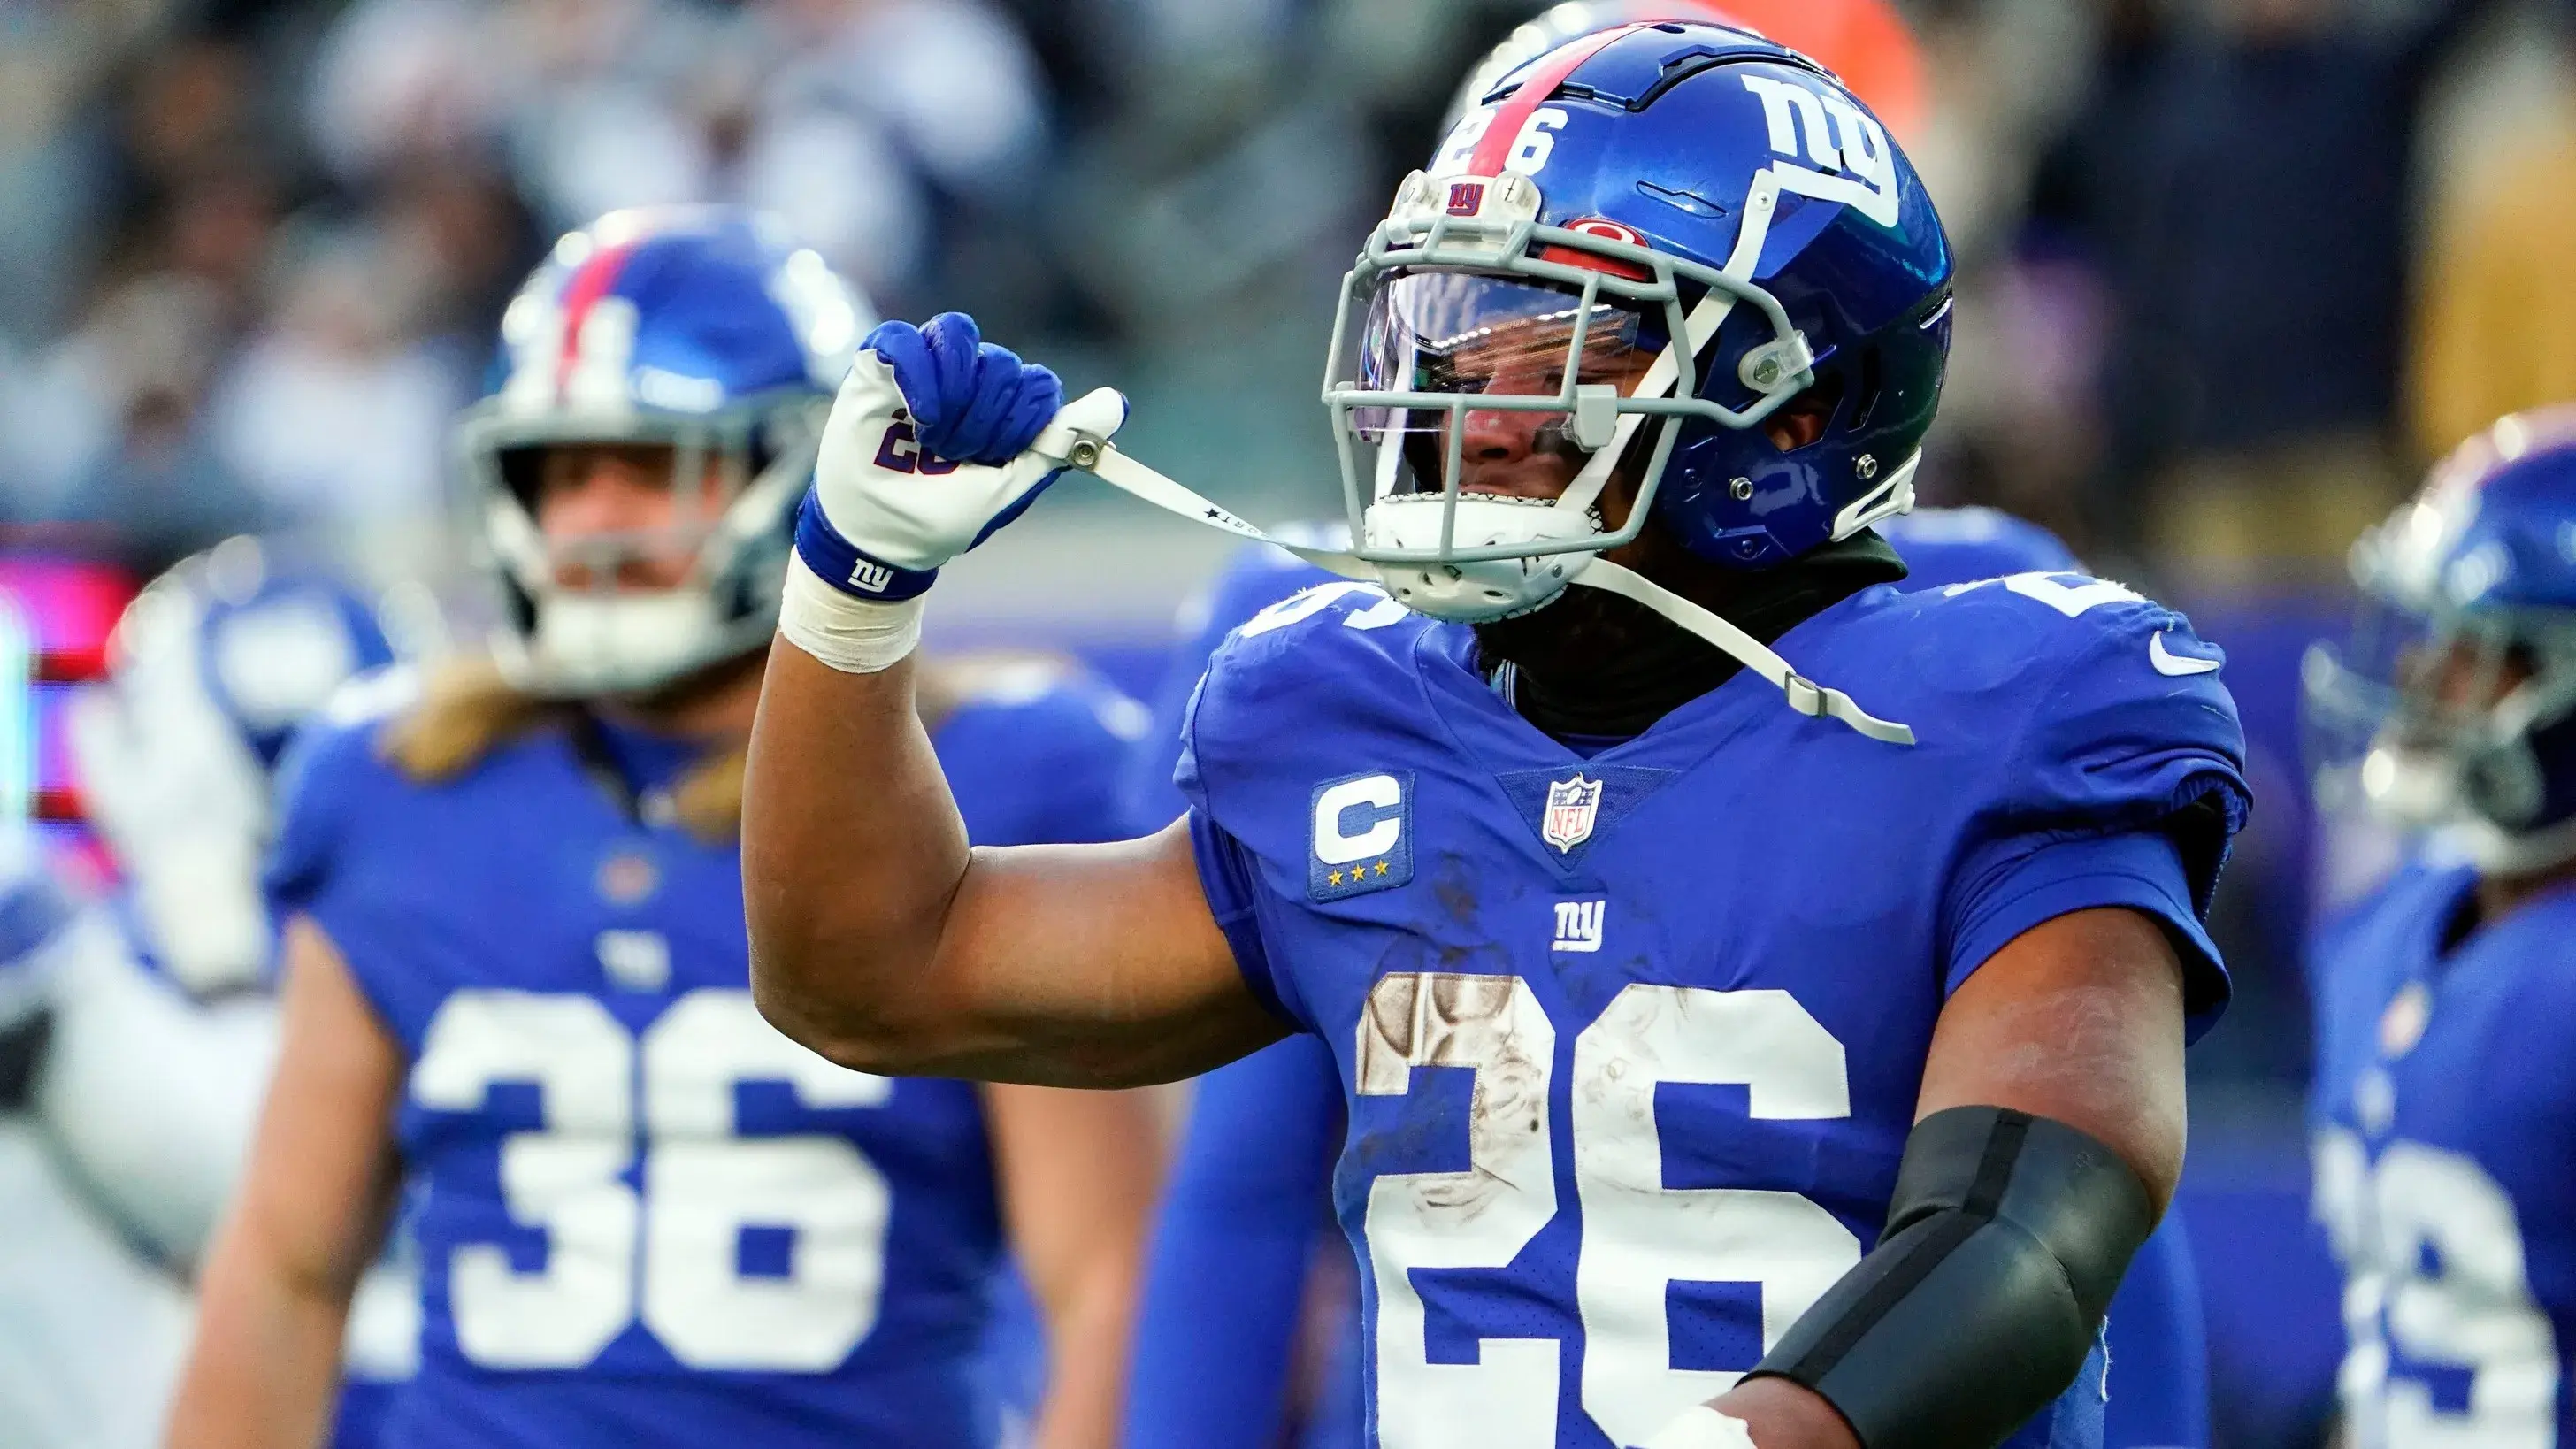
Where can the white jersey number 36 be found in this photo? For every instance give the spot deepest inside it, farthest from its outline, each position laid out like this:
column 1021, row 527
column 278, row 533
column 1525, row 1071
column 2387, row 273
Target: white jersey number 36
column 1638, row 1235
column 702, row 1186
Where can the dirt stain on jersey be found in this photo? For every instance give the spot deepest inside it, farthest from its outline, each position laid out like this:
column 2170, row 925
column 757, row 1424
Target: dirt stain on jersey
column 1448, row 1019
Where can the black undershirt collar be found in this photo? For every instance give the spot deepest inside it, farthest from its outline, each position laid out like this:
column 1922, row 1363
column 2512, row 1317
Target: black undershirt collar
column 1658, row 666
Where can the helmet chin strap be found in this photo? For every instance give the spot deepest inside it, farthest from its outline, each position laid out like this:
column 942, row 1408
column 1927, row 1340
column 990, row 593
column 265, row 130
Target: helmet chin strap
column 1098, row 457
column 2498, row 852
column 1803, row 695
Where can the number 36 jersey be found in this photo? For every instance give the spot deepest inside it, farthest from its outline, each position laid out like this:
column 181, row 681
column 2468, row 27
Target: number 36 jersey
column 2445, row 1126
column 642, row 1215
column 1631, row 1040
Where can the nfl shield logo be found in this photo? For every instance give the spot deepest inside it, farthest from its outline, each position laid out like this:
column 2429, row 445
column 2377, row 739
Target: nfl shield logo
column 1571, row 806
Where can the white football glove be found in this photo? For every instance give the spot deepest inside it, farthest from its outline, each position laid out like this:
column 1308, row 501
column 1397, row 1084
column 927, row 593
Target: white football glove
column 928, row 451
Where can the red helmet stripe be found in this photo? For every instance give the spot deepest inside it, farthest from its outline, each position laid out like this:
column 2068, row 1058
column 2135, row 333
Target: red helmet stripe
column 589, row 282
column 1496, row 146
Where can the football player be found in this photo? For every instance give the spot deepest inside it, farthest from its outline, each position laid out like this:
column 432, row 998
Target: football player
column 156, row 1037
column 1802, row 1043
column 210, row 669
column 514, row 963
column 1226, row 1283
column 2444, row 1109
column 90, row 1330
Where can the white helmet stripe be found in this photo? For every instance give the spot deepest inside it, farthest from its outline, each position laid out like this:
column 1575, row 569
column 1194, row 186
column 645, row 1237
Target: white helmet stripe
column 601, row 355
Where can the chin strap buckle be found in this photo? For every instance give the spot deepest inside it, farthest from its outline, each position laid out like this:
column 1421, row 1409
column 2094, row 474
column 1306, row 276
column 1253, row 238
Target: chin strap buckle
column 1804, row 696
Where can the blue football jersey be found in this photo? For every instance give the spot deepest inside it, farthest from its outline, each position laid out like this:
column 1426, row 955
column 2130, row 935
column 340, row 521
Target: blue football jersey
column 1255, row 577
column 642, row 1216
column 1630, row 1042
column 2157, row 1342
column 2445, row 1104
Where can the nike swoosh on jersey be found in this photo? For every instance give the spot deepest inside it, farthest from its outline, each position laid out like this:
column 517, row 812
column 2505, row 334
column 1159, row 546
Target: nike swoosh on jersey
column 2177, row 665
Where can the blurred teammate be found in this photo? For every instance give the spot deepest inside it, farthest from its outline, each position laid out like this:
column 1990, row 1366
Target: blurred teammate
column 90, row 1330
column 2444, row 1113
column 1661, row 976
column 514, row 961
column 1228, row 1280
column 155, row 1034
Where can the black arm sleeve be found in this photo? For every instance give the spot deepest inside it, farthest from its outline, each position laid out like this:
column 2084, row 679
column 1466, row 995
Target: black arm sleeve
column 2005, row 1240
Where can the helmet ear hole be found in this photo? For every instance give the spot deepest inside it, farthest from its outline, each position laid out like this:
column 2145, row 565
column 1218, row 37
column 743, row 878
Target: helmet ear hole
column 1872, row 383
column 1804, row 420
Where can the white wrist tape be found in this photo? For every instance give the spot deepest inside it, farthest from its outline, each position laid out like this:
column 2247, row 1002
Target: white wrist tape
column 1701, row 1427
column 849, row 634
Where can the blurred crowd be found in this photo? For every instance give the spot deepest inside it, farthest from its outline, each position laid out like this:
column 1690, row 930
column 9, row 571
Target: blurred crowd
column 2226, row 286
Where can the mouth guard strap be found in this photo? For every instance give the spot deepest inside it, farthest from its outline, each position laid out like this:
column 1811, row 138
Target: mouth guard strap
column 1803, row 695
column 1101, row 459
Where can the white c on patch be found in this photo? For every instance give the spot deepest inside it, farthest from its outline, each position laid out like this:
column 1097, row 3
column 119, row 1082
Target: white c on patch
column 1380, row 797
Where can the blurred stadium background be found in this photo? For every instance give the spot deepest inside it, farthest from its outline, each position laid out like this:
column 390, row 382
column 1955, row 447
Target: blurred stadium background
column 2233, row 270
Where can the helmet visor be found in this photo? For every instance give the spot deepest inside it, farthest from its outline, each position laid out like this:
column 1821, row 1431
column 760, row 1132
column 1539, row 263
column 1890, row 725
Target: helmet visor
column 673, row 526
column 1434, row 339
column 2397, row 709
column 674, row 497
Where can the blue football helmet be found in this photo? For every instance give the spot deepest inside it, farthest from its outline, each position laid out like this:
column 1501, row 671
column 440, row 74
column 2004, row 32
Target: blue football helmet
column 2453, row 704
column 210, row 670
column 700, row 328
column 1943, row 547
column 1636, row 249
column 1555, row 26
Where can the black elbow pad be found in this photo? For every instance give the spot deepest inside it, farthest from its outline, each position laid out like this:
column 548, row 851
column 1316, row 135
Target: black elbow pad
column 2005, row 1240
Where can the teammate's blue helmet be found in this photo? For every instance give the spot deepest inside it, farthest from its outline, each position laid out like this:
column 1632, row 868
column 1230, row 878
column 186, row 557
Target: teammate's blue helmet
column 2454, row 703
column 701, row 328
column 1641, row 245
column 210, row 670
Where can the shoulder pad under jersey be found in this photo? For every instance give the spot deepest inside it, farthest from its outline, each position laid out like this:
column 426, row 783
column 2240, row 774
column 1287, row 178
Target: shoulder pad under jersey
column 2100, row 709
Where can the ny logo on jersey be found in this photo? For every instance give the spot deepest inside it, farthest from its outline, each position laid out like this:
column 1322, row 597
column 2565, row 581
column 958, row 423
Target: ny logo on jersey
column 1578, row 925
column 871, row 577
column 1363, row 836
column 1572, row 806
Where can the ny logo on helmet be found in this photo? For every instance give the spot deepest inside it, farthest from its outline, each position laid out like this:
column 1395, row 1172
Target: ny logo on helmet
column 1852, row 146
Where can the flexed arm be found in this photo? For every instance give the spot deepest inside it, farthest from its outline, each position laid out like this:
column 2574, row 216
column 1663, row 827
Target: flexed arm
column 879, row 939
column 2048, row 1139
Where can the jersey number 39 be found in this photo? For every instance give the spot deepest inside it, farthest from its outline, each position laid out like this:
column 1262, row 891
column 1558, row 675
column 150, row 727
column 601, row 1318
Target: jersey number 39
column 2435, row 1279
column 668, row 1253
